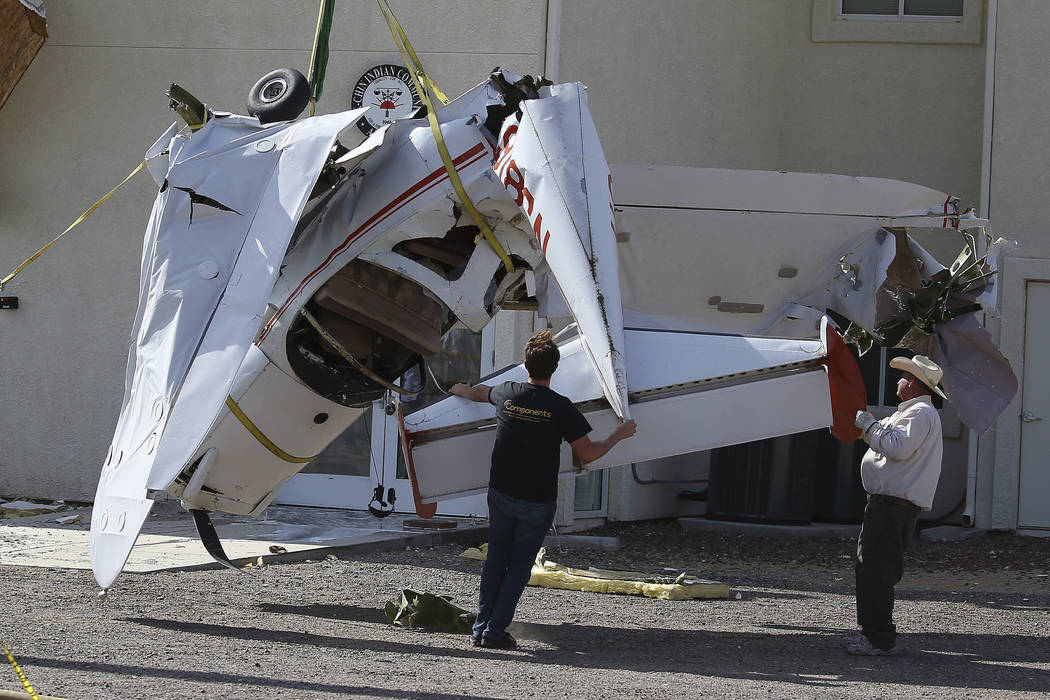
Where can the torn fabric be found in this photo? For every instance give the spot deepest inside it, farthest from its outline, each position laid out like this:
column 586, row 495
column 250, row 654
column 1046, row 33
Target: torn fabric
column 434, row 613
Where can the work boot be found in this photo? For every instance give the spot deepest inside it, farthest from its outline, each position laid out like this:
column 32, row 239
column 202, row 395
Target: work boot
column 502, row 642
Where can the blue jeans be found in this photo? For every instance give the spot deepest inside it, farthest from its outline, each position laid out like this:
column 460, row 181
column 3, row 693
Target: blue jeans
column 516, row 532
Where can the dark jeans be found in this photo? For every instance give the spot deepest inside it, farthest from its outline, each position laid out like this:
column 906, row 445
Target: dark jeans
column 888, row 528
column 516, row 532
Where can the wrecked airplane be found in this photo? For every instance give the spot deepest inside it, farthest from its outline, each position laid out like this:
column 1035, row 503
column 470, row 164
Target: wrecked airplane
column 292, row 272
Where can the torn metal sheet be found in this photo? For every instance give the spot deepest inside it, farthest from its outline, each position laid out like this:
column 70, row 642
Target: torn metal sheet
column 978, row 380
column 929, row 309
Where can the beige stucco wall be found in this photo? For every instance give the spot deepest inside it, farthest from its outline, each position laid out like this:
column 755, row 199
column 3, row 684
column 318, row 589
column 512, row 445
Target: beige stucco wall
column 1018, row 185
column 1020, row 177
column 743, row 85
column 80, row 120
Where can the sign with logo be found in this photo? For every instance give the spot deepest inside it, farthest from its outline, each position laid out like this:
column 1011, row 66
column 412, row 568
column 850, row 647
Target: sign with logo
column 388, row 89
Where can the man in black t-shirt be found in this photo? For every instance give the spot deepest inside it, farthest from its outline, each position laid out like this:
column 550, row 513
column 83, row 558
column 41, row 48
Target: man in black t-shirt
column 531, row 421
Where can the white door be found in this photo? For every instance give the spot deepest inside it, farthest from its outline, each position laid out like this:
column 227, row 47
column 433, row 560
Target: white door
column 368, row 454
column 349, row 469
column 1032, row 510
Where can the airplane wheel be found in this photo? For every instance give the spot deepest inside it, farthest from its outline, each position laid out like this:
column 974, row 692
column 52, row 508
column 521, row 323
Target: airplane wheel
column 279, row 96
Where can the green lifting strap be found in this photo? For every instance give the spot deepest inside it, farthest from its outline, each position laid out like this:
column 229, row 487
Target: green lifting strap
column 319, row 56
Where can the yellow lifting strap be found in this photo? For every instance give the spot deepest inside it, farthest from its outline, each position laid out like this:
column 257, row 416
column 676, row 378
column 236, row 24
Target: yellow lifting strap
column 422, row 81
column 21, row 675
column 261, row 437
column 83, row 216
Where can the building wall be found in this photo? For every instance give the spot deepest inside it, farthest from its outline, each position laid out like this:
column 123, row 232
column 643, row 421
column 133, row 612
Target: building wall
column 745, row 85
column 1018, row 184
column 1020, row 178
column 80, row 120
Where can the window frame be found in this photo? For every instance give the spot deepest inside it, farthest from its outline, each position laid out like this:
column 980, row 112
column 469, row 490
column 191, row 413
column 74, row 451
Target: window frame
column 899, row 17
column 830, row 26
column 603, row 494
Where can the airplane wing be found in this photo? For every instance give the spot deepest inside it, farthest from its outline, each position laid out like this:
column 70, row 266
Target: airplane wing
column 552, row 164
column 228, row 203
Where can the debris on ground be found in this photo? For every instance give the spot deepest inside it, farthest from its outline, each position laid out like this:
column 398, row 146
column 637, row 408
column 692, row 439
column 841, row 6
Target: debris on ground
column 69, row 519
column 682, row 586
column 23, row 508
column 480, row 553
column 434, row 613
column 435, row 524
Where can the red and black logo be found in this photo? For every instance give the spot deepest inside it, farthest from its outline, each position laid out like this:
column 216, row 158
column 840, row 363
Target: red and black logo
column 390, row 93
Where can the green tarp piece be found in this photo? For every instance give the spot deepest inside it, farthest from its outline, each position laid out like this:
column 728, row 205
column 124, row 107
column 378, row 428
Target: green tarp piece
column 434, row 613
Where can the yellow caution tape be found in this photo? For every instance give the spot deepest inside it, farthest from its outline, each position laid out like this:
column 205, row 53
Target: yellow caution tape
column 263, row 440
column 21, row 676
column 83, row 216
column 421, row 79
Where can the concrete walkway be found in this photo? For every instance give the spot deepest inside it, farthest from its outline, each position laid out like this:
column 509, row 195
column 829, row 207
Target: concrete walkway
column 169, row 540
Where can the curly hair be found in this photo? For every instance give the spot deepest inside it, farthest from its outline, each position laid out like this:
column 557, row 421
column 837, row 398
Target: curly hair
column 541, row 355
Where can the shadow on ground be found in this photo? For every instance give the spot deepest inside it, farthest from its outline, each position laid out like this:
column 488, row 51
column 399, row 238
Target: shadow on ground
column 809, row 657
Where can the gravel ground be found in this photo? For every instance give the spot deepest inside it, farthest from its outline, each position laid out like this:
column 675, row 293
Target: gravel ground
column 974, row 614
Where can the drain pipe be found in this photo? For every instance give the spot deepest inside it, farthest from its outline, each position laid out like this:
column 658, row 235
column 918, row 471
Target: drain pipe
column 552, row 53
column 969, row 513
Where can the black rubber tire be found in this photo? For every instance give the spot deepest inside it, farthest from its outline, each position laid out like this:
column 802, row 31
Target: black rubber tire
column 279, row 96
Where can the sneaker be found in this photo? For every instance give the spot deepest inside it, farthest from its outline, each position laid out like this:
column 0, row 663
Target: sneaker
column 503, row 642
column 476, row 640
column 862, row 646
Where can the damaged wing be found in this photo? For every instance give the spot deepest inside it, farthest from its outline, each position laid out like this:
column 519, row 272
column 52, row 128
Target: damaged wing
column 226, row 208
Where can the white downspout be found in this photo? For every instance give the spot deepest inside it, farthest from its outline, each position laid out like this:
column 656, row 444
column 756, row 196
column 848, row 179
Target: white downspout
column 552, row 52
column 984, row 211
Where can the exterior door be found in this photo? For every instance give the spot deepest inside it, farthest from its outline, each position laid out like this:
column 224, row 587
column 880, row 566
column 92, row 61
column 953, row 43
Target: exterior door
column 348, row 470
column 368, row 454
column 1034, row 493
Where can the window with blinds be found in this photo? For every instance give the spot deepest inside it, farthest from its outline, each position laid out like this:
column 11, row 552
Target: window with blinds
column 902, row 10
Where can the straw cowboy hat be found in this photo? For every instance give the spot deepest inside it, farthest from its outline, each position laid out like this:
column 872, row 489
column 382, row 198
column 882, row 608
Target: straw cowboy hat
column 925, row 369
